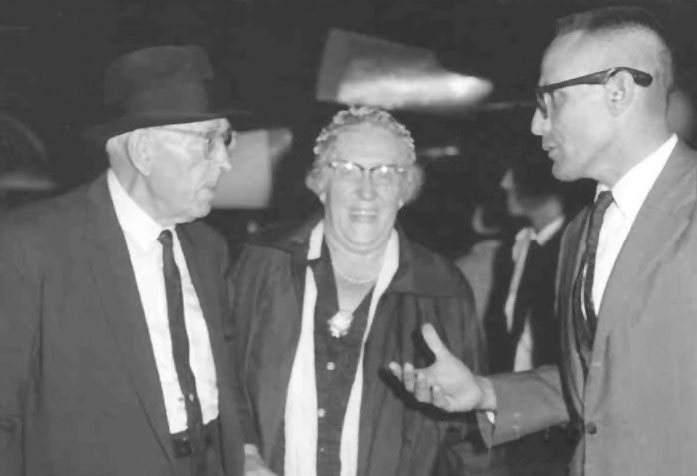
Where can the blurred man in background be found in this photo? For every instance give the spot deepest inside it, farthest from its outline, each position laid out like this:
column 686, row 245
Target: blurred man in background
column 521, row 326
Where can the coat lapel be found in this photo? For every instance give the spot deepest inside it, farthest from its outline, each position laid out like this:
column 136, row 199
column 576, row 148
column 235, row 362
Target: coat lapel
column 281, row 338
column 204, row 279
column 378, row 345
column 118, row 292
column 572, row 249
column 206, row 292
column 661, row 220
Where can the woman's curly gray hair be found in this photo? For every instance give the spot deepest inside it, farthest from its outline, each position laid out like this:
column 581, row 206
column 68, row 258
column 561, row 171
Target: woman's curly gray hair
column 318, row 177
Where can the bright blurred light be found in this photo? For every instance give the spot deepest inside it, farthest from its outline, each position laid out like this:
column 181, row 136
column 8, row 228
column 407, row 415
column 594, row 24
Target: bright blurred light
column 440, row 91
column 358, row 69
column 438, row 152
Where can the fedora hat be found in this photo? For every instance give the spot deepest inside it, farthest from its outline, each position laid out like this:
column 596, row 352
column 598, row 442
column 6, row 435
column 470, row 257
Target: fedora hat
column 162, row 85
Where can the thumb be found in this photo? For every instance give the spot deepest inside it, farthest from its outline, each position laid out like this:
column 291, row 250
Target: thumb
column 433, row 341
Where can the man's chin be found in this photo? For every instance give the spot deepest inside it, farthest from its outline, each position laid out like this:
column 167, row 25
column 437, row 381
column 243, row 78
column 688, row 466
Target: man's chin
column 201, row 210
column 564, row 175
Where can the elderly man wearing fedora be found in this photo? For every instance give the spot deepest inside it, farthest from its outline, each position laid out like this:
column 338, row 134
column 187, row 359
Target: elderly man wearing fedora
column 112, row 297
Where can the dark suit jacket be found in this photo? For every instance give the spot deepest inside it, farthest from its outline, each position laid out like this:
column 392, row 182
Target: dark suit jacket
column 79, row 389
column 535, row 300
column 638, row 408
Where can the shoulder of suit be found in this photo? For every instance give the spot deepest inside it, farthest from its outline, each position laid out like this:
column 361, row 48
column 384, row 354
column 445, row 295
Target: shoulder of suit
column 46, row 217
column 286, row 237
column 203, row 233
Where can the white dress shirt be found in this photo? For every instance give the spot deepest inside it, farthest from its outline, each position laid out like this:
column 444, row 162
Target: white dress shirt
column 523, row 356
column 141, row 233
column 629, row 194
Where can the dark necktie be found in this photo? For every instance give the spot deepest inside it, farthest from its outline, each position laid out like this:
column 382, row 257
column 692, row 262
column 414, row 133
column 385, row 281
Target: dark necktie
column 586, row 323
column 180, row 351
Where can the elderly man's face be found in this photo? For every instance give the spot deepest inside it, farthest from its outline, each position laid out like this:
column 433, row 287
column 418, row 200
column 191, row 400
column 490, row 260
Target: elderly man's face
column 577, row 128
column 360, row 209
column 187, row 163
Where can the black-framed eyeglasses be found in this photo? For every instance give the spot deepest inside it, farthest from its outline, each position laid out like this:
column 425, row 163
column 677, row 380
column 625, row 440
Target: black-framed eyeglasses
column 228, row 138
column 601, row 77
column 381, row 175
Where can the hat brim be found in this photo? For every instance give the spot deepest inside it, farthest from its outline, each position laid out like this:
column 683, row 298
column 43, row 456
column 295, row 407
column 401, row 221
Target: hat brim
column 239, row 120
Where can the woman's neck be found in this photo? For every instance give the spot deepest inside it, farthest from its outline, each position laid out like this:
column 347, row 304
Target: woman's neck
column 357, row 267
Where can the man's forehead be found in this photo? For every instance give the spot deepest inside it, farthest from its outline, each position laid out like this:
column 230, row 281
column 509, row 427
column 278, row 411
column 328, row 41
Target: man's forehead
column 572, row 55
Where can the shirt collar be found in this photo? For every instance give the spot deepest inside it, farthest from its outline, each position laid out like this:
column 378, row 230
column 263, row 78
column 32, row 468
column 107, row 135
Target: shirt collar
column 133, row 219
column 631, row 190
column 544, row 235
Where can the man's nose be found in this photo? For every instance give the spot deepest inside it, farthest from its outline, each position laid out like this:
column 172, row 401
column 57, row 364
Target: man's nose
column 222, row 157
column 539, row 124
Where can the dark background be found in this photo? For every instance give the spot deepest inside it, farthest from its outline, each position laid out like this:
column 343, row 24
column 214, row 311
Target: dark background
column 53, row 54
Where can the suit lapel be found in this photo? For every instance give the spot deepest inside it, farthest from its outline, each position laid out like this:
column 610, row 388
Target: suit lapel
column 572, row 249
column 117, row 290
column 661, row 220
column 203, row 273
column 206, row 292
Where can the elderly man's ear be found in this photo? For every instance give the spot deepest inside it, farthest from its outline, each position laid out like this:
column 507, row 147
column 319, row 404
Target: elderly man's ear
column 138, row 149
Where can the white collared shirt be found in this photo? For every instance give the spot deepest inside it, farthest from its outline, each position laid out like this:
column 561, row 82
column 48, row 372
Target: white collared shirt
column 141, row 233
column 629, row 194
column 523, row 356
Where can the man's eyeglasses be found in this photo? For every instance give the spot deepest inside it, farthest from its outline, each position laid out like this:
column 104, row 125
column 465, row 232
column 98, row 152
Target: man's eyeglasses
column 601, row 77
column 228, row 137
column 381, row 175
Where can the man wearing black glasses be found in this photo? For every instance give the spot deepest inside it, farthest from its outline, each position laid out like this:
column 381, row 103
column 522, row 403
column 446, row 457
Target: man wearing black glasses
column 628, row 264
column 112, row 297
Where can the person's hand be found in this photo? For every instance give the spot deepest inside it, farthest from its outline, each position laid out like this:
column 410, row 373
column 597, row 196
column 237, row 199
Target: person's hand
column 254, row 464
column 448, row 383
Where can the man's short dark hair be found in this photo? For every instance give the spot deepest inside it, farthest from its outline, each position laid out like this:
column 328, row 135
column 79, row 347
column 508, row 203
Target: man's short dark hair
column 618, row 18
column 610, row 18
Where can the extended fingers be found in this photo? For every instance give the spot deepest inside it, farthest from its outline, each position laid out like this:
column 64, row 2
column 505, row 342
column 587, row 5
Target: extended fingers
column 416, row 382
column 405, row 373
column 422, row 389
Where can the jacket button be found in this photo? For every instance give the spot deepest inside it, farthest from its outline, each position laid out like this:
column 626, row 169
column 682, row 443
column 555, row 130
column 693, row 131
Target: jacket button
column 591, row 429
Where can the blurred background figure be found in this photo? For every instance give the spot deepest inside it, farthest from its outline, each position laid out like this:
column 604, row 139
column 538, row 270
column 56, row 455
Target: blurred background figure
column 681, row 115
column 520, row 323
column 320, row 309
column 489, row 224
column 23, row 163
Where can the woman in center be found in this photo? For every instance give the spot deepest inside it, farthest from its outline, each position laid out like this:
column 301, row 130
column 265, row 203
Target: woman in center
column 320, row 310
